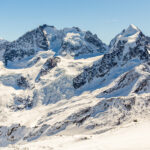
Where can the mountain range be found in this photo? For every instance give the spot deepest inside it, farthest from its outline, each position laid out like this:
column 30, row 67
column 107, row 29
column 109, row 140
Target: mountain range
column 68, row 82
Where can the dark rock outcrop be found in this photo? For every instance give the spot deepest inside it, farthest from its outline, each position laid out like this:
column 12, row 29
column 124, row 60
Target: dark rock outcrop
column 27, row 45
column 3, row 45
column 21, row 103
column 22, row 82
column 93, row 39
column 48, row 65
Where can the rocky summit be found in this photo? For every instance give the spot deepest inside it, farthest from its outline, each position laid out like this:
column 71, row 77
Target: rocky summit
column 70, row 41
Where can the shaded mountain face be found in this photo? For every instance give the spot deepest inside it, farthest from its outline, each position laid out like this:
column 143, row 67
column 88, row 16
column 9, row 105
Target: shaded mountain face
column 2, row 41
column 69, row 41
column 27, row 45
column 131, row 45
column 3, row 44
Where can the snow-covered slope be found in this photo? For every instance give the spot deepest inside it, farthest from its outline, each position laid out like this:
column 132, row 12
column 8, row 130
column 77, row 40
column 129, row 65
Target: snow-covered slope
column 47, row 93
column 134, row 136
column 130, row 34
column 128, row 49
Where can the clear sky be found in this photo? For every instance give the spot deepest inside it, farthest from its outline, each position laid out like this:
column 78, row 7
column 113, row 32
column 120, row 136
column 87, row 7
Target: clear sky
column 106, row 18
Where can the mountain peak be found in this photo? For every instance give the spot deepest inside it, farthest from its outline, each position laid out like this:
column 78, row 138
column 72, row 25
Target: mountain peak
column 68, row 41
column 132, row 26
column 130, row 34
column 131, row 30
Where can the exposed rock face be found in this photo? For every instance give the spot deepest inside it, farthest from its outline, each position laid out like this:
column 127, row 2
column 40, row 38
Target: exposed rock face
column 97, row 70
column 123, row 50
column 13, row 134
column 21, row 103
column 27, row 45
column 3, row 44
column 69, row 41
column 89, row 37
column 143, row 86
column 48, row 65
column 125, row 80
column 22, row 82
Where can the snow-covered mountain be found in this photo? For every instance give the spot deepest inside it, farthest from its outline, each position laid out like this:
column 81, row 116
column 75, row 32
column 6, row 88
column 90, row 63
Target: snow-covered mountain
column 128, row 49
column 69, row 41
column 68, row 82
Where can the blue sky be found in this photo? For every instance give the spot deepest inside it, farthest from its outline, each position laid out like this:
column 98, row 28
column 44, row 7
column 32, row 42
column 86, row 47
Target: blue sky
column 106, row 18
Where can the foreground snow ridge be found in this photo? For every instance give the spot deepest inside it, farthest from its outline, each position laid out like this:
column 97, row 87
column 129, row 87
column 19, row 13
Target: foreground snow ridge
column 66, row 89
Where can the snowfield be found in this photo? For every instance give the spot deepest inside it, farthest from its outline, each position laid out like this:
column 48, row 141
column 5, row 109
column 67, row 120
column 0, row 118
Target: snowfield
column 66, row 90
